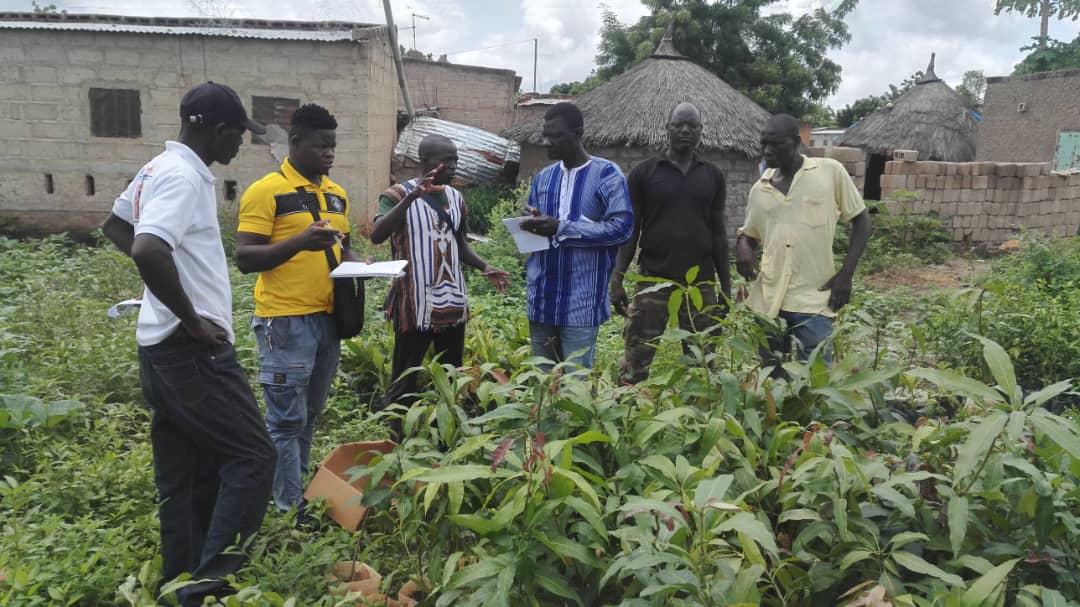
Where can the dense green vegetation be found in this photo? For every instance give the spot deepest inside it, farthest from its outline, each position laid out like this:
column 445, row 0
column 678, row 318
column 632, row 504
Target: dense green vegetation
column 774, row 57
column 927, row 467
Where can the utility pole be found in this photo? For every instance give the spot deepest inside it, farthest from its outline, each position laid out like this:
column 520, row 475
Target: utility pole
column 536, row 52
column 397, row 59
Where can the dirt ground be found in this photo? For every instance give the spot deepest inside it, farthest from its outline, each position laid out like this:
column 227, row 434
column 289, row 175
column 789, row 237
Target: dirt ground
column 954, row 273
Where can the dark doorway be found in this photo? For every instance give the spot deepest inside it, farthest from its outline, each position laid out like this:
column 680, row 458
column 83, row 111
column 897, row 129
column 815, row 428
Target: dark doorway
column 875, row 168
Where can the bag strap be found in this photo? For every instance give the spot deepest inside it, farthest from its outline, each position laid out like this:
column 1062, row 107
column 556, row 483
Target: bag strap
column 314, row 210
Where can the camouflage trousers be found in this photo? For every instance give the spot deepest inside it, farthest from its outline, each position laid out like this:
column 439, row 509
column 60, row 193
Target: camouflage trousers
column 646, row 320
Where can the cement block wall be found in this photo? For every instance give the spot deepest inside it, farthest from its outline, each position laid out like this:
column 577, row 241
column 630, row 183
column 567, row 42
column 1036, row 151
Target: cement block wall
column 45, row 112
column 1051, row 104
column 476, row 96
column 739, row 171
column 987, row 202
column 530, row 113
column 853, row 159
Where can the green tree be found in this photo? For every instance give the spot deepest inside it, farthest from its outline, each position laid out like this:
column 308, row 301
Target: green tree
column 1044, row 9
column 578, row 88
column 858, row 109
column 776, row 59
column 46, row 9
column 1056, row 56
column 973, row 86
column 819, row 115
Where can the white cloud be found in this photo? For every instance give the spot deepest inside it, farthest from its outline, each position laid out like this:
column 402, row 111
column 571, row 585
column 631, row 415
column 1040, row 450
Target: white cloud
column 568, row 33
column 890, row 40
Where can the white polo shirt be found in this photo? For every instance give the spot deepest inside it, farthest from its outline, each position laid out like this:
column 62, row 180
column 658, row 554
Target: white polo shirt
column 172, row 197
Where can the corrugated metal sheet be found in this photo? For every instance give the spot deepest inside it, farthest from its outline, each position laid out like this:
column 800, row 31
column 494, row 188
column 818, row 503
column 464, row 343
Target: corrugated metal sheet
column 327, row 35
column 481, row 154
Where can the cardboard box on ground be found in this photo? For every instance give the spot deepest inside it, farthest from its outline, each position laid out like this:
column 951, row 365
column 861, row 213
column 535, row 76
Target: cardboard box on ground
column 332, row 481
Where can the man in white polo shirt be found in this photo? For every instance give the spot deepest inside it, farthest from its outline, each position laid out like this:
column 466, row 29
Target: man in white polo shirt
column 213, row 459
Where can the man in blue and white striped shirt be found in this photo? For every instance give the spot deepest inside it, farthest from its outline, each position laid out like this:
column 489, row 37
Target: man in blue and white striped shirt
column 581, row 203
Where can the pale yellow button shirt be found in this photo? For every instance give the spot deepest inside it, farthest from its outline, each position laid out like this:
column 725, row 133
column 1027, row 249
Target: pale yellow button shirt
column 796, row 232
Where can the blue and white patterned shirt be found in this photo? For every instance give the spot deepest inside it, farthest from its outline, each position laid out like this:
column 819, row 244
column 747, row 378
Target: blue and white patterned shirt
column 567, row 284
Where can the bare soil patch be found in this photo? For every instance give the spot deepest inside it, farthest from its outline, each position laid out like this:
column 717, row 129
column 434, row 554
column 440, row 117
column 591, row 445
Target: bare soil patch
column 955, row 273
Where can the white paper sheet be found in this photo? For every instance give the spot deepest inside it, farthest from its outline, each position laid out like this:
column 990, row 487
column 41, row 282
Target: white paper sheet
column 124, row 307
column 526, row 242
column 379, row 269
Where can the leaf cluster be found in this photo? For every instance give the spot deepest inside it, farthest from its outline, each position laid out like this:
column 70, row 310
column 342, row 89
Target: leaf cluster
column 778, row 60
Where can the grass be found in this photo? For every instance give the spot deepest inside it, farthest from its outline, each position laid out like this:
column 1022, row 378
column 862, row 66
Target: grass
column 77, row 501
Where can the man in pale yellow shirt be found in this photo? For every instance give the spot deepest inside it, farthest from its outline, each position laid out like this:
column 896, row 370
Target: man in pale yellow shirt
column 792, row 213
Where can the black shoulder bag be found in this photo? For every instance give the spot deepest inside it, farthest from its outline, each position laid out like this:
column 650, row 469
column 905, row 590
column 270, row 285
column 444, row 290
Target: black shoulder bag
column 348, row 292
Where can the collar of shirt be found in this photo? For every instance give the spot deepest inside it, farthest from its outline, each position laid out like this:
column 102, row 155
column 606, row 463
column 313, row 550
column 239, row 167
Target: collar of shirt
column 568, row 170
column 296, row 179
column 695, row 161
column 189, row 156
column 566, row 186
column 809, row 164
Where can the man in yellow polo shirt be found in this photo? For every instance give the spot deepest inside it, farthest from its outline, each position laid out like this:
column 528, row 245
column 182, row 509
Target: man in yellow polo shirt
column 280, row 238
column 792, row 212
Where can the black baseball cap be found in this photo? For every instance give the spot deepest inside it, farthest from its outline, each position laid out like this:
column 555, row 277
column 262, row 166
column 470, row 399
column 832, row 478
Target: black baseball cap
column 213, row 103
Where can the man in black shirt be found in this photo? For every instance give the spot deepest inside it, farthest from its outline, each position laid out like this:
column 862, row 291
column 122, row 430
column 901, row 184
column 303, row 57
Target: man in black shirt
column 678, row 201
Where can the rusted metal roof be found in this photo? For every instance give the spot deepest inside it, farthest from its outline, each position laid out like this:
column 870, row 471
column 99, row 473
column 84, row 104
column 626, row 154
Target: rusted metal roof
column 481, row 154
column 318, row 31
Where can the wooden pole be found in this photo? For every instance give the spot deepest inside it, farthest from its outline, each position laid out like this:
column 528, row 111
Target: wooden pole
column 397, row 59
column 536, row 50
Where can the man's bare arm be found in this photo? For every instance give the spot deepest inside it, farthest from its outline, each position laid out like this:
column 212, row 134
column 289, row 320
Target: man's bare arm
column 154, row 259
column 120, row 232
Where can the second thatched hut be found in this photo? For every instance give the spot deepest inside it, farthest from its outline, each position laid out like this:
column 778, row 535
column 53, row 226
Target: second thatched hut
column 625, row 122
column 931, row 118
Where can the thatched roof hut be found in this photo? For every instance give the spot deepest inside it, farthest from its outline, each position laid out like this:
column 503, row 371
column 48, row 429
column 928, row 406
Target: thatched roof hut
column 931, row 118
column 632, row 109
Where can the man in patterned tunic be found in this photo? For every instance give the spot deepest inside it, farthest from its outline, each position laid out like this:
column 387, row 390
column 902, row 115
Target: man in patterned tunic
column 424, row 219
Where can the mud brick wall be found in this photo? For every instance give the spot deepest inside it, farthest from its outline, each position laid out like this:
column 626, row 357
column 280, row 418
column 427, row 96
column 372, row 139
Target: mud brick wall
column 986, row 202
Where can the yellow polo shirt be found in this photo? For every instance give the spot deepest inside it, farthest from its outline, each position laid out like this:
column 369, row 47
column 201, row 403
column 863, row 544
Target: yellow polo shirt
column 796, row 232
column 274, row 207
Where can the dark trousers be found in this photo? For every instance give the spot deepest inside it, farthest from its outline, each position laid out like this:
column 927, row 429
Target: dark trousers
column 647, row 319
column 213, row 460
column 409, row 350
column 807, row 331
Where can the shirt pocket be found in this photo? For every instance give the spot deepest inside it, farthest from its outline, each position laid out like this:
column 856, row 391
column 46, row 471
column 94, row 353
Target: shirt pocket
column 817, row 212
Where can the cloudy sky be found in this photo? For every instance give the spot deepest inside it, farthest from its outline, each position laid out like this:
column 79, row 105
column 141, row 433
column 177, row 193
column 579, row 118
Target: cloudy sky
column 890, row 38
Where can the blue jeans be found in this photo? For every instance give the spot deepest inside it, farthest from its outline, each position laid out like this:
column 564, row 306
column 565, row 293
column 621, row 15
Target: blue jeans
column 213, row 460
column 298, row 358
column 808, row 331
column 574, row 344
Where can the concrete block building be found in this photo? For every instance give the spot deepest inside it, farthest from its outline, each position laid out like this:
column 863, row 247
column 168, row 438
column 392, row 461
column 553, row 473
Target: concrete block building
column 87, row 99
column 472, row 95
column 1032, row 118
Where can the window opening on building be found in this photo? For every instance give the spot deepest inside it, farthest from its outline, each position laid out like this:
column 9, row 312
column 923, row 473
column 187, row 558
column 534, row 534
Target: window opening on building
column 230, row 190
column 271, row 112
column 115, row 113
